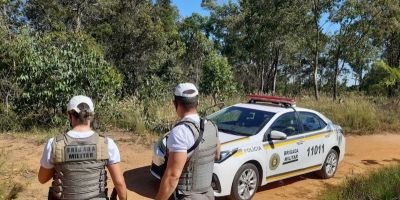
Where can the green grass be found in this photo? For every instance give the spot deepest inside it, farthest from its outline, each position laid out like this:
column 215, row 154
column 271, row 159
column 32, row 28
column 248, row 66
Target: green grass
column 357, row 114
column 381, row 184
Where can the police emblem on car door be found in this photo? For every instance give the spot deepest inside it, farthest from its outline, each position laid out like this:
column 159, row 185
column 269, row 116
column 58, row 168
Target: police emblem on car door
column 283, row 153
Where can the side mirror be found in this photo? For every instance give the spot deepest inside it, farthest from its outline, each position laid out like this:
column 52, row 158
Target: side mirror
column 277, row 135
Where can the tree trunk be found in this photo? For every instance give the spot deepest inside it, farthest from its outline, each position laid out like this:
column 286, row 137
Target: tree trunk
column 197, row 73
column 316, row 94
column 336, row 71
column 78, row 23
column 316, row 52
column 276, row 63
column 360, row 79
column 214, row 96
column 78, row 17
column 262, row 79
column 6, row 101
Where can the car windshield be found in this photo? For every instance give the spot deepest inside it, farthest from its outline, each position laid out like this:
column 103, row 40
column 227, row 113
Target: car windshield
column 241, row 121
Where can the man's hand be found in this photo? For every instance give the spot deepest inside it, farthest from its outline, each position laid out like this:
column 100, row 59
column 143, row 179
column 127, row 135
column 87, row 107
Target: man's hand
column 176, row 162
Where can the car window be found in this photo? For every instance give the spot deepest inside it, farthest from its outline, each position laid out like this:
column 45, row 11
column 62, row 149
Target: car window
column 311, row 122
column 287, row 123
column 241, row 121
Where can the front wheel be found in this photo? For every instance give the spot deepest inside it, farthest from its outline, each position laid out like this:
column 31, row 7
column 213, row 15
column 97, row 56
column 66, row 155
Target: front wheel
column 245, row 183
column 330, row 165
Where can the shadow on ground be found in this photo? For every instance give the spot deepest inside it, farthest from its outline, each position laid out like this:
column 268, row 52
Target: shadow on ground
column 141, row 182
column 282, row 183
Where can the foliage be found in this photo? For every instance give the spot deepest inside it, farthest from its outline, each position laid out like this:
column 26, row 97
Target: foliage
column 217, row 77
column 58, row 67
column 9, row 121
column 383, row 183
column 197, row 46
column 380, row 78
column 113, row 50
column 393, row 74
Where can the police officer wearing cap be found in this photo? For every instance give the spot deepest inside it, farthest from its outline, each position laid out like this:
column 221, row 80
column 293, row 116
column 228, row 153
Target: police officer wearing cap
column 77, row 159
column 193, row 146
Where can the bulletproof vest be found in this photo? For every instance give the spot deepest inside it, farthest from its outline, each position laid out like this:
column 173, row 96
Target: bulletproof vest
column 197, row 173
column 79, row 165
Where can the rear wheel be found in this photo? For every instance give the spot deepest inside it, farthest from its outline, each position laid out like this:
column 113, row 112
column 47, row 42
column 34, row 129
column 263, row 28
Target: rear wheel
column 245, row 183
column 330, row 165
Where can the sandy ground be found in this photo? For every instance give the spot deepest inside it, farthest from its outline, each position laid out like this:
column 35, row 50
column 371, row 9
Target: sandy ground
column 362, row 153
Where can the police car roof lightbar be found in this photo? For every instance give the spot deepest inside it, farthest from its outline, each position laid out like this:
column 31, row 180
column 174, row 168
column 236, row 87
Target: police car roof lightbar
column 271, row 99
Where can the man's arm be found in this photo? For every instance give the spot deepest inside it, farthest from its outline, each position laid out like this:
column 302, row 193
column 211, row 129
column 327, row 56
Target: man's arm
column 218, row 152
column 45, row 174
column 176, row 162
column 118, row 180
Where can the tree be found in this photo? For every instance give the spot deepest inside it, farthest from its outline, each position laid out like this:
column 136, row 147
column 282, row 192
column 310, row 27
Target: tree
column 378, row 21
column 217, row 77
column 197, row 45
column 256, row 36
column 60, row 66
column 13, row 41
column 316, row 8
column 64, row 15
column 381, row 77
column 142, row 41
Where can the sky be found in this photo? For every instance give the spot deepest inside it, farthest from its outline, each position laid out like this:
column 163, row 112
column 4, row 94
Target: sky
column 187, row 7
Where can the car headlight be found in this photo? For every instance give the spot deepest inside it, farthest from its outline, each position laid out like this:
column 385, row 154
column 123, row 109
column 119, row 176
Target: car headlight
column 225, row 155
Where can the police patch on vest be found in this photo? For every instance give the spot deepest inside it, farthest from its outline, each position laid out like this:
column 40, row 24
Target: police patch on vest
column 80, row 152
column 274, row 161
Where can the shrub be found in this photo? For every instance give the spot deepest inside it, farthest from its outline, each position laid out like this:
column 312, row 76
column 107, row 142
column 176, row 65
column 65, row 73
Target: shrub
column 356, row 114
column 58, row 67
column 217, row 79
column 380, row 184
column 8, row 120
column 125, row 115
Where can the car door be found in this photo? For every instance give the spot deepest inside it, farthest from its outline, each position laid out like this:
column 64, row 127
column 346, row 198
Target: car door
column 283, row 155
column 314, row 132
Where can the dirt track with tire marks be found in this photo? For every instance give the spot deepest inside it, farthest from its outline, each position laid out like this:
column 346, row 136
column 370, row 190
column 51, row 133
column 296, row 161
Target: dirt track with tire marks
column 363, row 153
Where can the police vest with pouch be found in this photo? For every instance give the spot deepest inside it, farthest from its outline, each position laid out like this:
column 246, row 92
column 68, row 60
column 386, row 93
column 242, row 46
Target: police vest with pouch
column 79, row 165
column 197, row 173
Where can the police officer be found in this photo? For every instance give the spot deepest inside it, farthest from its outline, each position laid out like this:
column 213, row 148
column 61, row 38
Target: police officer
column 77, row 159
column 192, row 147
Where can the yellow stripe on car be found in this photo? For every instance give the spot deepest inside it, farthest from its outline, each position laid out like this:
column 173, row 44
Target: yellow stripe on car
column 294, row 173
column 238, row 154
column 237, row 140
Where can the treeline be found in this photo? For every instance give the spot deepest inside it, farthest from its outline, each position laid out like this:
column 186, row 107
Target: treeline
column 110, row 50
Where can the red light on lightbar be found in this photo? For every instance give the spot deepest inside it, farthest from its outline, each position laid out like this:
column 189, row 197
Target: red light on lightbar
column 271, row 99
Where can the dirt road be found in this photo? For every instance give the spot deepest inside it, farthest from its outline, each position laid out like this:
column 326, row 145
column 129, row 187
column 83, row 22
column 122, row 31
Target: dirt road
column 363, row 153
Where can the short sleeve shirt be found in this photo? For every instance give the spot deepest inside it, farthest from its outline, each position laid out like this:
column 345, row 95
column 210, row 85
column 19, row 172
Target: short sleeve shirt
column 181, row 138
column 113, row 152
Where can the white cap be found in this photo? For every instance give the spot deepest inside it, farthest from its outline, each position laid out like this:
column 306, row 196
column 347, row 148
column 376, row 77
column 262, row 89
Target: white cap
column 186, row 90
column 76, row 100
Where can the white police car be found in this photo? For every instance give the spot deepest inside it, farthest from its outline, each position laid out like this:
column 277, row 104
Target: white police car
column 266, row 140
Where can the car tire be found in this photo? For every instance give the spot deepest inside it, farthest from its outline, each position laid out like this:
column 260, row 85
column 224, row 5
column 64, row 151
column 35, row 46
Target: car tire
column 330, row 165
column 247, row 178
